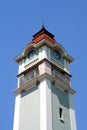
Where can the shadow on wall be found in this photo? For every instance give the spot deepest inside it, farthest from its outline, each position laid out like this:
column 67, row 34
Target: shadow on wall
column 24, row 93
column 60, row 96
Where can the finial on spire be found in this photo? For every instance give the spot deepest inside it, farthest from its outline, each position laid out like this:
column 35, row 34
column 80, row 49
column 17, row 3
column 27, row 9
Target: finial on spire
column 43, row 23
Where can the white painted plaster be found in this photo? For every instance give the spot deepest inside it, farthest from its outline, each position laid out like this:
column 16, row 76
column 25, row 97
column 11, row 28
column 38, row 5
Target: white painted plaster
column 44, row 52
column 45, row 105
column 72, row 112
column 21, row 66
column 49, row 53
column 16, row 113
column 49, row 106
column 66, row 66
column 40, row 52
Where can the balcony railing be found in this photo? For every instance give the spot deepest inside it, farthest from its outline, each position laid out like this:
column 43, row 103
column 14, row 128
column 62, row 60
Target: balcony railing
column 63, row 78
column 28, row 76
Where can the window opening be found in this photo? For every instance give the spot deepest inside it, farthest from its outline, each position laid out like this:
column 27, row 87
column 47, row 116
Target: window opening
column 31, row 54
column 57, row 55
column 60, row 113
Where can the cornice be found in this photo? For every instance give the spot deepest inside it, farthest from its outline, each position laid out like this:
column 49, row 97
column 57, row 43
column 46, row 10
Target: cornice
column 40, row 44
column 43, row 60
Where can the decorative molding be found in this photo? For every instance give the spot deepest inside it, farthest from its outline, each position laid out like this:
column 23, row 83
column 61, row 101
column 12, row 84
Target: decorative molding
column 28, row 84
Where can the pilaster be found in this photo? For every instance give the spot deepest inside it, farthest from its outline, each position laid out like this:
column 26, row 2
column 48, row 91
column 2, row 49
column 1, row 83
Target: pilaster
column 17, row 112
column 72, row 112
column 45, row 105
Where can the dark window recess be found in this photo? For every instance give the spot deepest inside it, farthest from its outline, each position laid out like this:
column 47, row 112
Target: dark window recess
column 57, row 55
column 31, row 54
column 60, row 113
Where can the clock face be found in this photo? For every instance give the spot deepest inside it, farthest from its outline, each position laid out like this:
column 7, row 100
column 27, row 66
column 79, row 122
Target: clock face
column 32, row 54
column 56, row 55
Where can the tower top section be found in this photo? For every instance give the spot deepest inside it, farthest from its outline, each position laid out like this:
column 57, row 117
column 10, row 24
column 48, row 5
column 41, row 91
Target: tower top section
column 43, row 55
column 43, row 33
column 44, row 38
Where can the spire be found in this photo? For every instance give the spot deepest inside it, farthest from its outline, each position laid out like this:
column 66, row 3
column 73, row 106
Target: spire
column 43, row 26
column 43, row 23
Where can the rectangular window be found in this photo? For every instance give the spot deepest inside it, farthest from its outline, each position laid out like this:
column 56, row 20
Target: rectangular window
column 61, row 114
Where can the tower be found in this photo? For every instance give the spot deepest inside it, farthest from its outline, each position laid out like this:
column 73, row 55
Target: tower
column 44, row 96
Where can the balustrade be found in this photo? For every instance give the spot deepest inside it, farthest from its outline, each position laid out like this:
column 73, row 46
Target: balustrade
column 64, row 78
column 28, row 76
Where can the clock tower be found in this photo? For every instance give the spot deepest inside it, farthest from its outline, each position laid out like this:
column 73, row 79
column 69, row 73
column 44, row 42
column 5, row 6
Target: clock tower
column 44, row 96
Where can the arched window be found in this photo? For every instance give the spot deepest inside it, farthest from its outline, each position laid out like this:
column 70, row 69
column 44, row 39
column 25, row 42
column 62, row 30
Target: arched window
column 32, row 54
column 56, row 55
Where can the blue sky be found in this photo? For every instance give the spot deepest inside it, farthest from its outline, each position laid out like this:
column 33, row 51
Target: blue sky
column 19, row 20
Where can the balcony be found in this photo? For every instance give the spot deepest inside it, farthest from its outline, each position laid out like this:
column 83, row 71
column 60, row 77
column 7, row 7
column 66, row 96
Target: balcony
column 28, row 76
column 61, row 77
